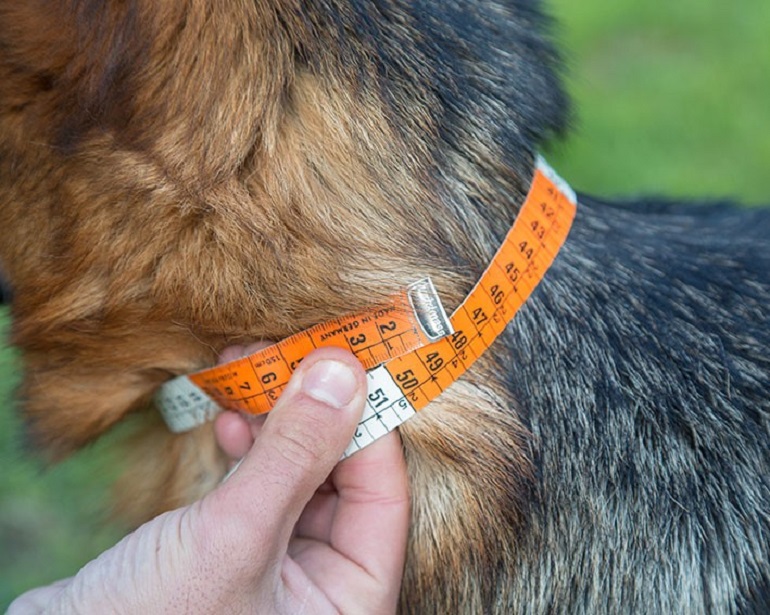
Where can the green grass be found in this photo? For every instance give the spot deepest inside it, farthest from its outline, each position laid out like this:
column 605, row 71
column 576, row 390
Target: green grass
column 672, row 98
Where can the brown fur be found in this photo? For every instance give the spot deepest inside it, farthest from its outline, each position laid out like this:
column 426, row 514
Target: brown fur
column 176, row 182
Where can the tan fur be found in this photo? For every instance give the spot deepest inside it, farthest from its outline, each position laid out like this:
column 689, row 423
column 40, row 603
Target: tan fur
column 227, row 197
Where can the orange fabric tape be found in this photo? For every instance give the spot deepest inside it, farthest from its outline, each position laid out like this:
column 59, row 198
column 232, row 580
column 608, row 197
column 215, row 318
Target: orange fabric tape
column 253, row 383
column 411, row 320
column 518, row 266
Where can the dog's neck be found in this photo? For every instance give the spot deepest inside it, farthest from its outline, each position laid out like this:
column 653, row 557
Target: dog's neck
column 307, row 165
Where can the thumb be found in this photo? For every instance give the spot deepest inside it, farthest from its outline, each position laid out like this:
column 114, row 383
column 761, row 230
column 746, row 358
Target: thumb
column 302, row 439
column 201, row 552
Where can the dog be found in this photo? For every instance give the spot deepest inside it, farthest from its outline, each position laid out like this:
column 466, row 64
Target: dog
column 180, row 176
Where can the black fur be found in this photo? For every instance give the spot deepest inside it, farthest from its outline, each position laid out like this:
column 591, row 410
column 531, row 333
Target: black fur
column 640, row 364
column 643, row 371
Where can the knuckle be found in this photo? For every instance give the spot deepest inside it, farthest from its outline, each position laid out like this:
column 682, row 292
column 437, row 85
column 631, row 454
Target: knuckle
column 298, row 443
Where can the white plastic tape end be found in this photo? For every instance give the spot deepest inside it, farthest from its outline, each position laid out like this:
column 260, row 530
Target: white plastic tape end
column 183, row 405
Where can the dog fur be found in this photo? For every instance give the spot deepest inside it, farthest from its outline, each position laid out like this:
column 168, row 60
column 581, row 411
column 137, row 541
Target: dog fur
column 179, row 176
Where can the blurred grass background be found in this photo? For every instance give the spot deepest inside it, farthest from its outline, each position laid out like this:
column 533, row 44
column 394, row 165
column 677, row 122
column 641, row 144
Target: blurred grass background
column 671, row 98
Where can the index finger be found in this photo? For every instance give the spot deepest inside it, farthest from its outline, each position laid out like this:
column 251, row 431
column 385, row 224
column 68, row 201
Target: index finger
column 371, row 520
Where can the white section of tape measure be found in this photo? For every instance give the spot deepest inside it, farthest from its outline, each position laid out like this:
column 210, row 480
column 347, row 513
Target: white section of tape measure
column 183, row 405
column 386, row 408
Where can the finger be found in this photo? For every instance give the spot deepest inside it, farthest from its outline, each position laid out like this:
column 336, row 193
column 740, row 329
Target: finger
column 299, row 444
column 366, row 548
column 317, row 518
column 320, row 516
column 373, row 512
column 233, row 434
column 231, row 353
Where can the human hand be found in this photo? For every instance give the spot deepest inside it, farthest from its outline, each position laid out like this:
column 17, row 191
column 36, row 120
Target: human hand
column 278, row 536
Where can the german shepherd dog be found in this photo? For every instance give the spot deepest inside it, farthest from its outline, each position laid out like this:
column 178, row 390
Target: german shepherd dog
column 183, row 175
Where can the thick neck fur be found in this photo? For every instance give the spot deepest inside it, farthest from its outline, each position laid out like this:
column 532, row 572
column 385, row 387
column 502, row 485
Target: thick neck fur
column 180, row 176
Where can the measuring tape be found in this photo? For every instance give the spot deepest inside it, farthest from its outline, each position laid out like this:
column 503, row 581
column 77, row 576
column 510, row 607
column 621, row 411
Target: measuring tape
column 253, row 383
column 412, row 353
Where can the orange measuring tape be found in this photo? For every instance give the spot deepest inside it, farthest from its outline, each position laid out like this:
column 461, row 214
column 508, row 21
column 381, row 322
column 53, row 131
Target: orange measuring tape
column 411, row 352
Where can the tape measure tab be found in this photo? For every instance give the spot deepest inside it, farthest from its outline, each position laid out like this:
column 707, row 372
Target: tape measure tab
column 427, row 307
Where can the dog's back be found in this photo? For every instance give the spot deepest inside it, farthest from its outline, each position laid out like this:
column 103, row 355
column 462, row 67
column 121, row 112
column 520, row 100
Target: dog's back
column 641, row 365
column 248, row 169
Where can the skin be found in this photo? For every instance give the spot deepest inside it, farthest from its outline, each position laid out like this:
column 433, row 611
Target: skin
column 316, row 539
